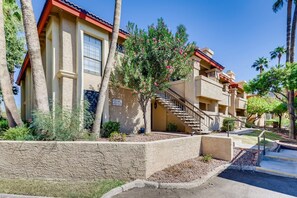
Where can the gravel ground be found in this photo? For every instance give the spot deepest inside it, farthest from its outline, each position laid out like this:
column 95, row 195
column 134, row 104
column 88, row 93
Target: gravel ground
column 145, row 138
column 186, row 171
column 193, row 169
column 245, row 157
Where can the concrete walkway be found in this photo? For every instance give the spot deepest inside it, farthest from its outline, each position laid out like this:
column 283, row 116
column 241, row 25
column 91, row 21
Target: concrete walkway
column 229, row 184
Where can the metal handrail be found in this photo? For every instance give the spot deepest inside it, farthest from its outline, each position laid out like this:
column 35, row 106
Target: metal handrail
column 259, row 146
column 193, row 106
column 184, row 104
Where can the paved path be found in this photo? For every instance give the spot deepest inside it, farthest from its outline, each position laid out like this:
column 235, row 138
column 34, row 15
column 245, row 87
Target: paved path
column 229, row 184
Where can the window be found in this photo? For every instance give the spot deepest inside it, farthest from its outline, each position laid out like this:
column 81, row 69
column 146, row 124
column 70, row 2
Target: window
column 92, row 54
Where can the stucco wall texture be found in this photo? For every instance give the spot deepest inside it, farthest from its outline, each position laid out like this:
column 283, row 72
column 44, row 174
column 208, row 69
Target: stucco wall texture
column 95, row 160
column 218, row 147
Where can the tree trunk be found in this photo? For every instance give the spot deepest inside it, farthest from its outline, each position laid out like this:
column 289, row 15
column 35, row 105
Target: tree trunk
column 144, row 107
column 289, row 18
column 14, row 117
column 292, row 92
column 108, row 67
column 39, row 82
column 280, row 121
column 292, row 134
column 293, row 35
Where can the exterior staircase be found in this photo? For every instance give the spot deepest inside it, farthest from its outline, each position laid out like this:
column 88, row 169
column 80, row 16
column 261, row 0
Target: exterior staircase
column 189, row 114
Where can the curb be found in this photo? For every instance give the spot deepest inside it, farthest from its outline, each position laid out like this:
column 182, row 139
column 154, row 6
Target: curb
column 144, row 183
column 274, row 172
column 19, row 196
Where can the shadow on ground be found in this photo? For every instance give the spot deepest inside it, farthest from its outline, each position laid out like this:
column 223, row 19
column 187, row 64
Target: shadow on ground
column 261, row 180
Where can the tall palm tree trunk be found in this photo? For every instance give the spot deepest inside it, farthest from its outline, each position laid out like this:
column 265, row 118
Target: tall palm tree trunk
column 289, row 19
column 13, row 115
column 108, row 67
column 291, row 93
column 39, row 82
column 293, row 35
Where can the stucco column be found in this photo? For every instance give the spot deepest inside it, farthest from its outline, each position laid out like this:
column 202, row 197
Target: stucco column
column 232, row 108
column 56, row 59
column 190, row 83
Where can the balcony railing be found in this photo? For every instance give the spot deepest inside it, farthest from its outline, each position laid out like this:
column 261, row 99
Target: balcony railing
column 208, row 88
column 240, row 103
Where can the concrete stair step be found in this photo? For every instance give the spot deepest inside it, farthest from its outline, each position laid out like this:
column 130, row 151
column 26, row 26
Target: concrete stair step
column 278, row 167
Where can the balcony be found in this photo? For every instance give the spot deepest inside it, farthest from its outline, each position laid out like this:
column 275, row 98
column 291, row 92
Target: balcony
column 240, row 103
column 225, row 99
column 208, row 88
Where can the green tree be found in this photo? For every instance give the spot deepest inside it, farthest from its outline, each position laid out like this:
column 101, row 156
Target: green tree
column 257, row 106
column 152, row 59
column 13, row 116
column 260, row 63
column 277, row 53
column 278, row 108
column 108, row 68
column 276, row 81
column 289, row 54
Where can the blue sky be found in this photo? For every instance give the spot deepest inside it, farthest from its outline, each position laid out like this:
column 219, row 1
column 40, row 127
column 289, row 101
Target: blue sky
column 238, row 31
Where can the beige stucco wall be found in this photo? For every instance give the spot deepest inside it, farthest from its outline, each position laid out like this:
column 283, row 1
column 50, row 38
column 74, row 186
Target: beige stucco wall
column 72, row 160
column 208, row 88
column 179, row 87
column 165, row 153
column 218, row 147
column 129, row 114
column 93, row 160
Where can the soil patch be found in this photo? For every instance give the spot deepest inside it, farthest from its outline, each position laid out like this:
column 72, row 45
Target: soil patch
column 186, row 171
column 245, row 157
column 145, row 138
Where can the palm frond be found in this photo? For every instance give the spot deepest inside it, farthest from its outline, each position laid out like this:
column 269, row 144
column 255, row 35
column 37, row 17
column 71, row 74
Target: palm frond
column 277, row 5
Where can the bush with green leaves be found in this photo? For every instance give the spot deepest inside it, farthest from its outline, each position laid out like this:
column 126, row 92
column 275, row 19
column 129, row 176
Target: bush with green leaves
column 207, row 158
column 17, row 133
column 172, row 127
column 61, row 124
column 3, row 125
column 270, row 122
column 248, row 125
column 109, row 127
column 117, row 137
column 228, row 124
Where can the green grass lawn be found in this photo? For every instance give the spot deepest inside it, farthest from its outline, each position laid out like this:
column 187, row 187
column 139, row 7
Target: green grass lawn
column 252, row 138
column 268, row 135
column 57, row 188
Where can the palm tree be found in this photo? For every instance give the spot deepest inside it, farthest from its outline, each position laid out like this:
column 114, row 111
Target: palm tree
column 13, row 115
column 289, row 56
column 260, row 63
column 277, row 53
column 278, row 6
column 108, row 67
column 39, row 82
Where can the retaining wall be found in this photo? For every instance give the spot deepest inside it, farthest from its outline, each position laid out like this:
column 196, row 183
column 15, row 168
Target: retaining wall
column 97, row 160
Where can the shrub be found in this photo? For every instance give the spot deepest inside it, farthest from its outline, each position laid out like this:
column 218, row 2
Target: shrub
column 18, row 133
column 228, row 124
column 248, row 125
column 207, row 158
column 3, row 125
column 172, row 127
column 270, row 122
column 61, row 124
column 117, row 137
column 109, row 127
